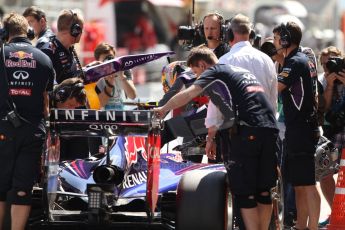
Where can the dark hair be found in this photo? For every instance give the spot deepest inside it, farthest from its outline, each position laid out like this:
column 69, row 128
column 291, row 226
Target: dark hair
column 69, row 88
column 294, row 30
column 268, row 47
column 35, row 12
column 103, row 48
column 201, row 53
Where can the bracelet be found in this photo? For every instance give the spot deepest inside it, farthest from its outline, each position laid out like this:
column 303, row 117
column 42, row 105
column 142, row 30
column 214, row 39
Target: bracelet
column 210, row 139
column 108, row 84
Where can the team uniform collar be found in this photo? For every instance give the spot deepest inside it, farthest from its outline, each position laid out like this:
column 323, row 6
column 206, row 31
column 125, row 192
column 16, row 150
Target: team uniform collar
column 20, row 39
column 292, row 53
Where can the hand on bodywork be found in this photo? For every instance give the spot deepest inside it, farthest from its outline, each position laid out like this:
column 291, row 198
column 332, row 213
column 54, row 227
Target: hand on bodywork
column 178, row 100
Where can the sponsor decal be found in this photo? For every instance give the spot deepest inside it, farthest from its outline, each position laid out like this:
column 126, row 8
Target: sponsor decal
column 129, row 116
column 135, row 145
column 146, row 58
column 20, row 74
column 134, row 179
column 257, row 88
column 100, row 127
column 21, row 83
column 284, row 74
column 21, row 64
column 20, row 92
column 21, row 55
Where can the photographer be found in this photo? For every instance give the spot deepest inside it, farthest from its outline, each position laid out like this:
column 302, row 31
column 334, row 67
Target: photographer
column 38, row 21
column 29, row 76
column 112, row 90
column 334, row 126
column 60, row 48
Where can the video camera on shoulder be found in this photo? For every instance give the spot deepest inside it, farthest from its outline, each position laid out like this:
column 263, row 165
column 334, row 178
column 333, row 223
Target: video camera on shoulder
column 335, row 64
column 190, row 36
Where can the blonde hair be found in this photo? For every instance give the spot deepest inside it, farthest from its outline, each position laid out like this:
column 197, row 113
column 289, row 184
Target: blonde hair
column 67, row 18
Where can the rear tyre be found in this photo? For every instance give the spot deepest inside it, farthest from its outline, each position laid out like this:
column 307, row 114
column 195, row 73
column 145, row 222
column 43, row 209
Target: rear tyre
column 203, row 200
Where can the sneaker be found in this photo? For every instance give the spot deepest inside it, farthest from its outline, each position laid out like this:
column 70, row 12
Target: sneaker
column 324, row 223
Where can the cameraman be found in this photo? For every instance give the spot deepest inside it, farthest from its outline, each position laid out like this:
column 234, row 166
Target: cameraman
column 334, row 95
column 29, row 76
column 60, row 48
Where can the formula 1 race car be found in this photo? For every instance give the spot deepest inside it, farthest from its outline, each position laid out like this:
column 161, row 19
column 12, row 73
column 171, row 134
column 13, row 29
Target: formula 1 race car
column 133, row 185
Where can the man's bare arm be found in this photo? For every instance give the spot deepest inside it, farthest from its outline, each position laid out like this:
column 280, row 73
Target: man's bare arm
column 179, row 100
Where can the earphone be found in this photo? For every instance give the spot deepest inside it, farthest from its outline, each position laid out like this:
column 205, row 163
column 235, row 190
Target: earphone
column 75, row 29
column 4, row 33
column 62, row 93
column 285, row 36
column 230, row 33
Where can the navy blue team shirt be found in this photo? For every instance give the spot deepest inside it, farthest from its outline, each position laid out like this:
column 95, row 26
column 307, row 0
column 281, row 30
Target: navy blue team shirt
column 30, row 73
column 299, row 96
column 64, row 62
column 235, row 89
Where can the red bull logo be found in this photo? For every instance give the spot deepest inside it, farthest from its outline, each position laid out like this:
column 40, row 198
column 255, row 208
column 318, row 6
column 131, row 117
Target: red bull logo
column 21, row 55
column 133, row 145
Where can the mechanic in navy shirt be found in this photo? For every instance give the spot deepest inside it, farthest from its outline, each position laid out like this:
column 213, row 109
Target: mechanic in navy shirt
column 30, row 76
column 38, row 21
column 251, row 162
column 297, row 83
column 60, row 48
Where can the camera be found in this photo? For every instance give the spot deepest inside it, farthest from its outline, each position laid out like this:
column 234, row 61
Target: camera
column 13, row 117
column 190, row 36
column 335, row 64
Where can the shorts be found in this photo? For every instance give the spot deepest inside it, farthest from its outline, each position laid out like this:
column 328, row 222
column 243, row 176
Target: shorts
column 300, row 171
column 20, row 153
column 301, row 141
column 252, row 160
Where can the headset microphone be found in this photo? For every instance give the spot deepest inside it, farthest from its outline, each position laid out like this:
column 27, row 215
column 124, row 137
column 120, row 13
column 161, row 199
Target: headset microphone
column 211, row 38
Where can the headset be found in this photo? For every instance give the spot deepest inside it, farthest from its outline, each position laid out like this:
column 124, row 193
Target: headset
column 230, row 34
column 62, row 93
column 285, row 36
column 4, row 33
column 221, row 25
column 75, row 29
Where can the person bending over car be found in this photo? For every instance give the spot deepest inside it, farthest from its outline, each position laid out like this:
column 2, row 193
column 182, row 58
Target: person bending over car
column 251, row 162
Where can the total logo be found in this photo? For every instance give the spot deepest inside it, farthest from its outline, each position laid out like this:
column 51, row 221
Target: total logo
column 20, row 74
